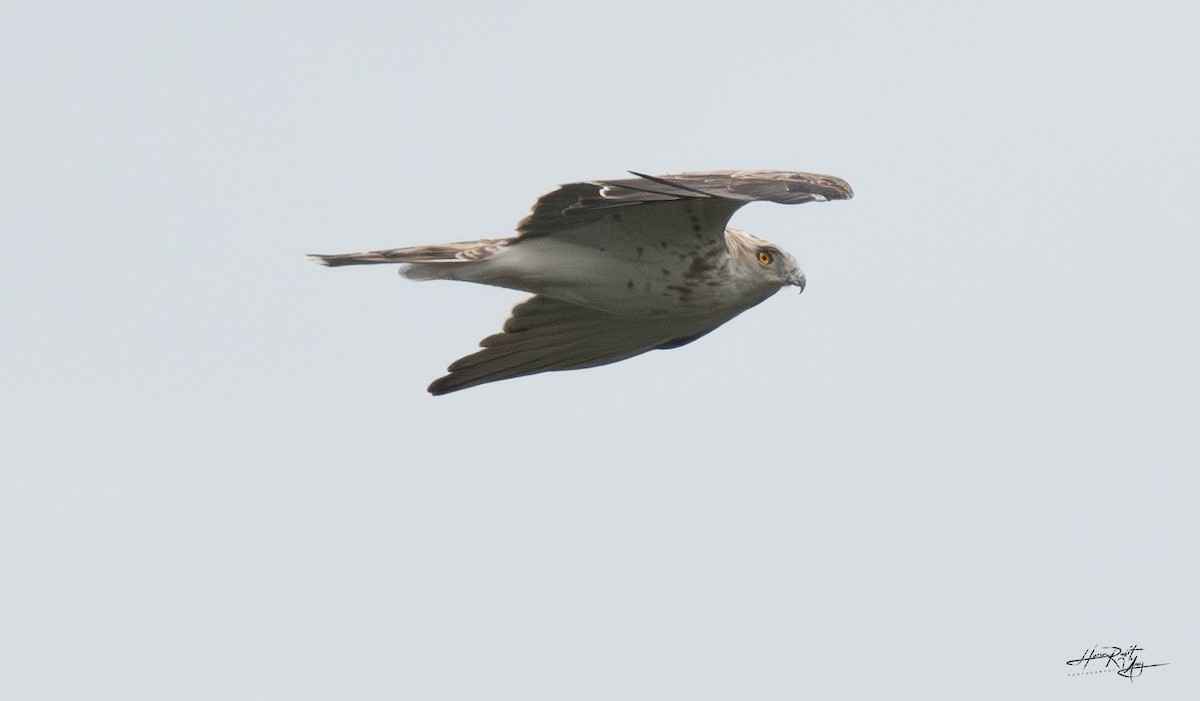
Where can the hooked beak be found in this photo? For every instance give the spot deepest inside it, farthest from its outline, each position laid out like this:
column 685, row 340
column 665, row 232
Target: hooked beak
column 797, row 279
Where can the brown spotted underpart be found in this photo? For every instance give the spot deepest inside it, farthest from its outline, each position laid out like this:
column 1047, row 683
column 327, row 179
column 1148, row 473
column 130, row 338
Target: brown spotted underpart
column 574, row 248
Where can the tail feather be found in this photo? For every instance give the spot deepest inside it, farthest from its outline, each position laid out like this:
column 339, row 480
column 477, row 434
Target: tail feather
column 464, row 252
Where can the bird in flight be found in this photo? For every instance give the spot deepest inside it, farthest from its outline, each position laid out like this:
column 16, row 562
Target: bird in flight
column 617, row 268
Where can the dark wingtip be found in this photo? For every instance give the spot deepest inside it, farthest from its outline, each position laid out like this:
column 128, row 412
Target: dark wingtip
column 841, row 188
column 441, row 386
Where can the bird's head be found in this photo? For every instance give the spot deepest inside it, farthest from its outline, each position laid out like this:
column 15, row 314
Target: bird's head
column 762, row 261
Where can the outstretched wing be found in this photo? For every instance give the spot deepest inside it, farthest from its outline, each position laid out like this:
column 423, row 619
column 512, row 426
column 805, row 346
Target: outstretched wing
column 743, row 186
column 546, row 334
column 686, row 205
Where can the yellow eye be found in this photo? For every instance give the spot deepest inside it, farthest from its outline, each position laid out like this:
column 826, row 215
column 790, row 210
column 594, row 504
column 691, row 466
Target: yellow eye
column 764, row 258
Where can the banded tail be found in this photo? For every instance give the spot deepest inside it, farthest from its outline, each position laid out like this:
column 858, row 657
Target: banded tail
column 463, row 252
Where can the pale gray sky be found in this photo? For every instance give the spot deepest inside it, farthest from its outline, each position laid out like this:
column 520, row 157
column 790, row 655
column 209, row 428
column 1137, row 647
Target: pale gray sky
column 964, row 456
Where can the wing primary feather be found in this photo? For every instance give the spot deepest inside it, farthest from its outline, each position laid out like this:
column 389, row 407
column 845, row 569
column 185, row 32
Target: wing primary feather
column 671, row 183
column 629, row 185
column 488, row 365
